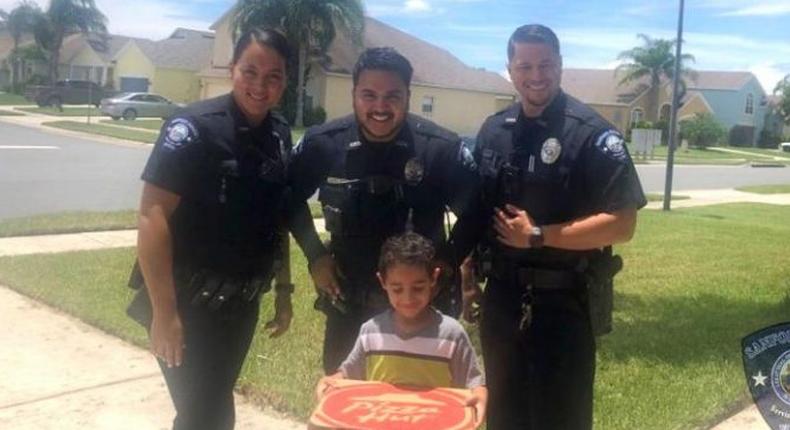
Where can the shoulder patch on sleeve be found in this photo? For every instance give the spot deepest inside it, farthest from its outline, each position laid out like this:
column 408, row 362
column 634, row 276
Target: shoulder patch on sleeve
column 180, row 132
column 466, row 158
column 611, row 143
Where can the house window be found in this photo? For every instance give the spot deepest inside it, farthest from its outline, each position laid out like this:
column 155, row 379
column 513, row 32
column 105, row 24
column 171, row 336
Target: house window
column 636, row 116
column 427, row 105
column 749, row 104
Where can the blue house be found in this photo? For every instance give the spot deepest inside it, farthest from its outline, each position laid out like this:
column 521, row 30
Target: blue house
column 735, row 99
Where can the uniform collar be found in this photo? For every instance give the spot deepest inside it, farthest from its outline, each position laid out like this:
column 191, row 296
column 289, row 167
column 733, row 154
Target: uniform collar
column 404, row 137
column 240, row 120
column 551, row 113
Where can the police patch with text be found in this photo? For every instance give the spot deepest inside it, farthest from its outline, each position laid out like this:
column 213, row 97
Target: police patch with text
column 612, row 144
column 180, row 132
column 766, row 363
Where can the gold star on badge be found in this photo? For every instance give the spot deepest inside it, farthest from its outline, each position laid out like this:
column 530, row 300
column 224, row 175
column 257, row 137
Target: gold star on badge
column 759, row 379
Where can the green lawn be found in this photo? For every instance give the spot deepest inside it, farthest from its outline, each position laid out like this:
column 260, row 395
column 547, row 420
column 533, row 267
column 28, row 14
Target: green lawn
column 68, row 222
column 5, row 112
column 105, row 130
column 147, row 124
column 8, row 99
column 696, row 281
column 67, row 111
column 766, row 189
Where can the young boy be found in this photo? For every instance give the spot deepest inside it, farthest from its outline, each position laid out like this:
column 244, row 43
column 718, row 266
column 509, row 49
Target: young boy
column 412, row 343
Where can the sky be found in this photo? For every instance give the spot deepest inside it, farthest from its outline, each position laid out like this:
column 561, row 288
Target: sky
column 742, row 35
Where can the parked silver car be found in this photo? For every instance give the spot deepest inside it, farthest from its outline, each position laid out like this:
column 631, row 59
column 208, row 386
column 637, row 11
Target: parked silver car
column 132, row 105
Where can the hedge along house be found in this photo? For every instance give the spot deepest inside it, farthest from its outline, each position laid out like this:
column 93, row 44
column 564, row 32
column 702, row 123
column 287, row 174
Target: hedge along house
column 735, row 99
column 443, row 88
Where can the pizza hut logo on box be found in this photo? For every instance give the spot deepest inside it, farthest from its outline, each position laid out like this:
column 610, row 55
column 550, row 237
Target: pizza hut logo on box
column 379, row 406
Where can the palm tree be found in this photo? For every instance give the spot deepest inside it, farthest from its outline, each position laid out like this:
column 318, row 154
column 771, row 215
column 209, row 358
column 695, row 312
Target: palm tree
column 310, row 26
column 22, row 19
column 62, row 18
column 656, row 59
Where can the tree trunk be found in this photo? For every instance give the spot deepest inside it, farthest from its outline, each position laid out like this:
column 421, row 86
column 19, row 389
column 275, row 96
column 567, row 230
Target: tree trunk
column 299, row 121
column 652, row 99
column 54, row 57
column 14, row 59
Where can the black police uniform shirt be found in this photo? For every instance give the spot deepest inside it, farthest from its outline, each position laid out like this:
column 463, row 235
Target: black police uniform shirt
column 231, row 180
column 431, row 163
column 568, row 163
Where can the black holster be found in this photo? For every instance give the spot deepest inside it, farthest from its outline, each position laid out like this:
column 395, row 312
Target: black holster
column 599, row 275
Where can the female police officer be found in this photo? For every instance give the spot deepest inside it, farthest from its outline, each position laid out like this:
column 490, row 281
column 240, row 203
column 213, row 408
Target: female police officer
column 208, row 232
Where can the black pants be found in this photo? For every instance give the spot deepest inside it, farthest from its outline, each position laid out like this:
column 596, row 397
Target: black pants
column 216, row 344
column 341, row 332
column 540, row 378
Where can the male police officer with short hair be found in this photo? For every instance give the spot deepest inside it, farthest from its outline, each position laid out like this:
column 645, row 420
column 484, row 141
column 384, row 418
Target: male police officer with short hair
column 379, row 172
column 561, row 189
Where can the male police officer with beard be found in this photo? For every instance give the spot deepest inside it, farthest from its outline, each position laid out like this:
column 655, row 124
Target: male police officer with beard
column 560, row 188
column 379, row 172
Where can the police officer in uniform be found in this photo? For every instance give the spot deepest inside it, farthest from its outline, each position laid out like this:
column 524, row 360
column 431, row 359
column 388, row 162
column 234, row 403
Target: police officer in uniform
column 559, row 189
column 209, row 233
column 379, row 172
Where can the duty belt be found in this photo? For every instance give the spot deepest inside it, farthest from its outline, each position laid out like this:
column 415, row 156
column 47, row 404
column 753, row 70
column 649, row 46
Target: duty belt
column 528, row 280
column 539, row 278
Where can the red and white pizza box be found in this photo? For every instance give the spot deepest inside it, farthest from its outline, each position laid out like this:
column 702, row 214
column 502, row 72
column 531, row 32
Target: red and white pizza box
column 363, row 405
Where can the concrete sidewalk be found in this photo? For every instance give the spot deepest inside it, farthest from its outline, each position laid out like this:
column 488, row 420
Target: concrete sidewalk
column 60, row 373
column 713, row 197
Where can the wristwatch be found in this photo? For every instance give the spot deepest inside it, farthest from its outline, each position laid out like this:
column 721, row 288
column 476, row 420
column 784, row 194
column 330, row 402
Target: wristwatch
column 536, row 237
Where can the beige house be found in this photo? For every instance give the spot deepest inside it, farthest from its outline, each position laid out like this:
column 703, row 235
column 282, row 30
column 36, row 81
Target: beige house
column 167, row 67
column 735, row 99
column 443, row 89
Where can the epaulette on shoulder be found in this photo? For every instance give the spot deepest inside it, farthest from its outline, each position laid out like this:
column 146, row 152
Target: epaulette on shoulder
column 334, row 126
column 207, row 107
column 428, row 128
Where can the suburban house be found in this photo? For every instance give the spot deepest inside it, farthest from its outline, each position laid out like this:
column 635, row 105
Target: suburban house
column 443, row 89
column 735, row 99
column 6, row 47
column 168, row 67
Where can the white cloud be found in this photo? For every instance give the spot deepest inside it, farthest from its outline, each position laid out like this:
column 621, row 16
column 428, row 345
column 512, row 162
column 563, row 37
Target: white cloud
column 748, row 7
column 416, row 6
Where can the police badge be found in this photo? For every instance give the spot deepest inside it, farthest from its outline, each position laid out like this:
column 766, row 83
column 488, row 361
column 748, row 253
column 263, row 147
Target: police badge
column 550, row 151
column 766, row 362
column 413, row 171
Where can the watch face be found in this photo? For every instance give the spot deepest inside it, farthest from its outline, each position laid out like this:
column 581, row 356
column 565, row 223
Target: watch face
column 536, row 238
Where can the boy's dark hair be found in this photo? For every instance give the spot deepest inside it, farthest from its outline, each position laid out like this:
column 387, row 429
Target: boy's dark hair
column 532, row 33
column 387, row 59
column 410, row 249
column 264, row 36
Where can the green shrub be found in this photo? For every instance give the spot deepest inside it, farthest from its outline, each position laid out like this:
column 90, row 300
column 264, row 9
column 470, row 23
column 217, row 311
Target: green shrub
column 315, row 116
column 702, row 131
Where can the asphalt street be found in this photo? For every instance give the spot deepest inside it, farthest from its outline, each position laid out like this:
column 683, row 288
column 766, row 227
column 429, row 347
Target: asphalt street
column 45, row 172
